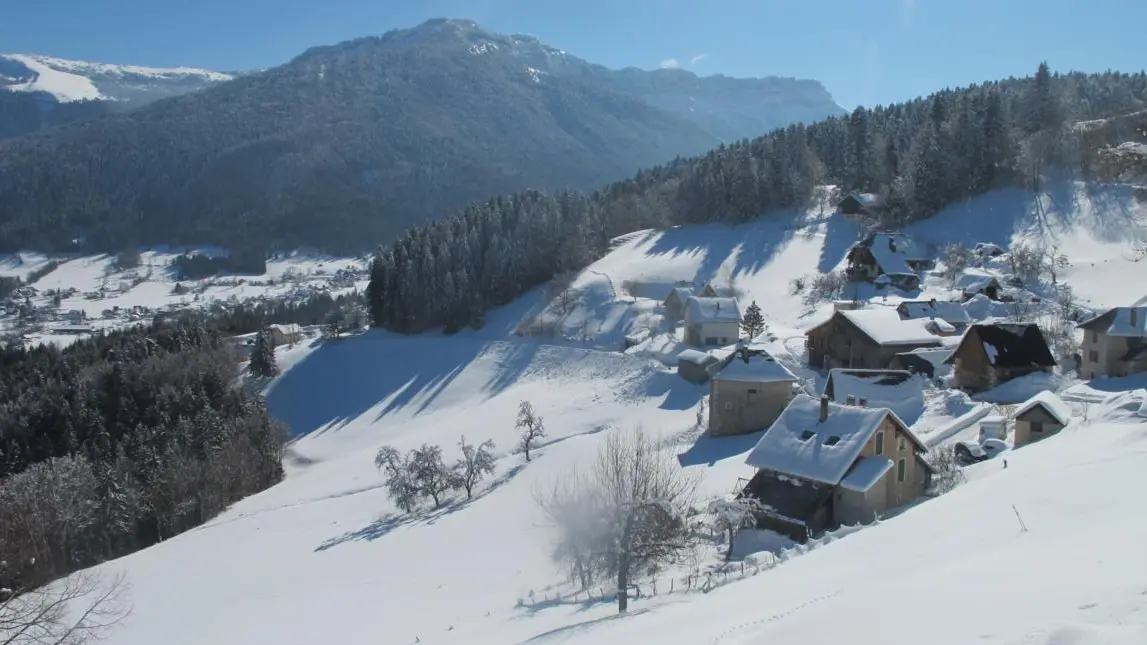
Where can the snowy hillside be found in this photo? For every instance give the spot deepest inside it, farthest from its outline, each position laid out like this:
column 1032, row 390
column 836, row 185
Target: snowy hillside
column 69, row 80
column 1045, row 550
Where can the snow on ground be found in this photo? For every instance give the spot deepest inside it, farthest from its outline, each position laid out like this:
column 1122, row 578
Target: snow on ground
column 323, row 557
column 64, row 86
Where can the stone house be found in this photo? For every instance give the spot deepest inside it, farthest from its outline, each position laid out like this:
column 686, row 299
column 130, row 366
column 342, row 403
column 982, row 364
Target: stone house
column 865, row 339
column 748, row 393
column 712, row 321
column 674, row 303
column 696, row 366
column 1114, row 343
column 893, row 255
column 989, row 355
column 822, row 465
column 952, row 313
column 973, row 282
column 1039, row 417
column 898, row 390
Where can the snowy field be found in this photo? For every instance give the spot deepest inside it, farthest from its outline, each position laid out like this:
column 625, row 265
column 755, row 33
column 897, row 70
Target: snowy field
column 111, row 298
column 1046, row 551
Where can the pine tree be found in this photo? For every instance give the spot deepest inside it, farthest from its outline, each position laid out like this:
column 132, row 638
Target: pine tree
column 753, row 322
column 263, row 362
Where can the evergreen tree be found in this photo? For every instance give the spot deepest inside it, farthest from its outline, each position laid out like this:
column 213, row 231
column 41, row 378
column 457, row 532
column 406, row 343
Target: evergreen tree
column 753, row 322
column 263, row 362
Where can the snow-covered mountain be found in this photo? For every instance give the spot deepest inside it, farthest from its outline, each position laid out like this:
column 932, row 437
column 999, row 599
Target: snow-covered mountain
column 70, row 80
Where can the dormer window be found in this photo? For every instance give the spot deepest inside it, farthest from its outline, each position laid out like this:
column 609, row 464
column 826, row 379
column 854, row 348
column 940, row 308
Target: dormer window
column 807, row 434
column 832, row 441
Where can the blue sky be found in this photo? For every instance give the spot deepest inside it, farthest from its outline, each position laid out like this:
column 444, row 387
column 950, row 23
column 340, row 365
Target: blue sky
column 864, row 51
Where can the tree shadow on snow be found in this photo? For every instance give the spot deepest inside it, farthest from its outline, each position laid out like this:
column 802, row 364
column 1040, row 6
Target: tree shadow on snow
column 341, row 380
column 762, row 242
column 839, row 236
column 384, row 525
column 570, row 630
column 715, row 243
column 708, row 450
column 678, row 393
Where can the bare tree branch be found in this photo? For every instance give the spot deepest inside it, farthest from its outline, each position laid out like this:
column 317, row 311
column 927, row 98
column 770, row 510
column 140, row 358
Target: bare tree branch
column 70, row 611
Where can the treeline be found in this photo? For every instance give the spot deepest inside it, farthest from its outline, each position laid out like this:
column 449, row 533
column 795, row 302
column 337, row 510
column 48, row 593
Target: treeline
column 319, row 309
column 921, row 156
column 196, row 266
column 121, row 441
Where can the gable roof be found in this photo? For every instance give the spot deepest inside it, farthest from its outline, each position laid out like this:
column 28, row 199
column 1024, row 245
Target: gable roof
column 896, row 390
column 885, row 327
column 1117, row 322
column 975, row 281
column 785, row 449
column 867, row 200
column 754, row 366
column 1007, row 345
column 950, row 312
column 679, row 294
column 698, row 310
column 1050, row 403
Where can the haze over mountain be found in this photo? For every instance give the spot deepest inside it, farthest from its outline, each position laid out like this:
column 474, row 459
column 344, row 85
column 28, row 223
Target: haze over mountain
column 349, row 144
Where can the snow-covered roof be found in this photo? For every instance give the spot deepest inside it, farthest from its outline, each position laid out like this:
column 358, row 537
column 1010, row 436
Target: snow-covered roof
column 1048, row 401
column 699, row 310
column 694, row 356
column 1008, row 345
column 867, row 200
column 800, row 445
column 865, row 473
column 1130, row 322
column 893, row 252
column 974, row 280
column 897, row 390
column 885, row 327
column 287, row 328
column 951, row 312
column 679, row 293
column 760, row 368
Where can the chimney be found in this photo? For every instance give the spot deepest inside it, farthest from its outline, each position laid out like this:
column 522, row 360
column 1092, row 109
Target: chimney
column 823, row 408
column 864, row 401
column 850, row 399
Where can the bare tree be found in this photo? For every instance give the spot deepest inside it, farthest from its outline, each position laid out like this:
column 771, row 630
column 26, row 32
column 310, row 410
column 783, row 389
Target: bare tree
column 632, row 506
column 729, row 516
column 956, row 258
column 70, row 611
column 1025, row 262
column 430, row 474
column 531, row 426
column 946, row 469
column 400, row 485
column 476, row 463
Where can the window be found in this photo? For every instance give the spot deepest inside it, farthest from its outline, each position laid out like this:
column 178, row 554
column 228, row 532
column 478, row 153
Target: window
column 1095, row 337
column 901, row 470
column 728, row 406
column 902, row 444
column 710, row 340
column 1036, row 427
column 752, row 390
column 1093, row 356
column 880, row 442
column 832, row 441
column 807, row 434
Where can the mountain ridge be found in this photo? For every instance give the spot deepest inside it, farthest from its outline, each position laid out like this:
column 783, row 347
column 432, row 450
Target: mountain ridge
column 349, row 144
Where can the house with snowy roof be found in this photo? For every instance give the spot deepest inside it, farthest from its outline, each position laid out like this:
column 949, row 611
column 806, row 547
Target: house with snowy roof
column 973, row 282
column 1041, row 416
column 674, row 303
column 866, row 338
column 893, row 255
column 858, row 203
column 1114, row 343
column 898, row 390
column 989, row 355
column 952, row 313
column 713, row 290
column 748, row 393
column 712, row 321
column 822, row 464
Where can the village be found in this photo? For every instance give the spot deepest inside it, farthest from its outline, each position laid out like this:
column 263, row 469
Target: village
column 846, row 453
